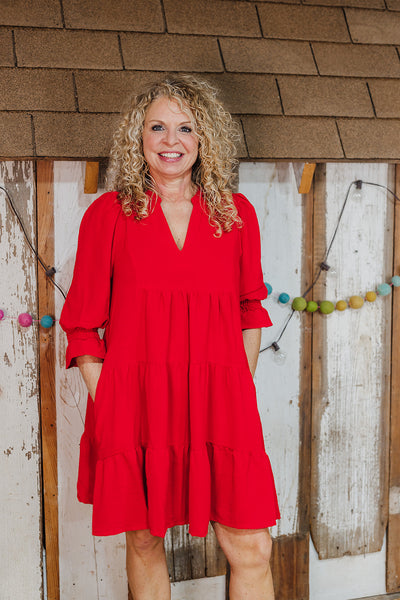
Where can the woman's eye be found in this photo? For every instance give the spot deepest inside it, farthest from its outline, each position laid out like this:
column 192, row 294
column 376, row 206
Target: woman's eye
column 186, row 129
column 157, row 128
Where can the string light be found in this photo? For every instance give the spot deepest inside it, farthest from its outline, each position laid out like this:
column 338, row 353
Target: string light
column 326, row 307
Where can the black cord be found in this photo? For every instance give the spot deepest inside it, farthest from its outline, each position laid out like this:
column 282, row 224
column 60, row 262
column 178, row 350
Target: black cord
column 48, row 270
column 323, row 266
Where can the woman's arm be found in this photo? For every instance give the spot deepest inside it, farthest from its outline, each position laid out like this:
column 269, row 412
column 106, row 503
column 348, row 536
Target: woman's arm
column 90, row 367
column 252, row 343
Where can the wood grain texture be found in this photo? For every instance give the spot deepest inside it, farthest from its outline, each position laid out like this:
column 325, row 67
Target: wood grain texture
column 21, row 547
column 272, row 190
column 90, row 567
column 350, row 367
column 284, row 392
column 91, row 177
column 45, row 197
column 393, row 540
column 304, row 173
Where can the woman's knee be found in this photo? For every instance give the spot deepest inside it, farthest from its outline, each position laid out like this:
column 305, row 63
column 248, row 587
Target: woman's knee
column 142, row 541
column 245, row 548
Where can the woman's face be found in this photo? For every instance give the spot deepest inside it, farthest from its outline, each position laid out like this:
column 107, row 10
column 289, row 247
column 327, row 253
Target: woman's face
column 170, row 144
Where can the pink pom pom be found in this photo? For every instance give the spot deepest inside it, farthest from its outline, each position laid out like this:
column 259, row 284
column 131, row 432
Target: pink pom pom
column 25, row 319
column 1, row 314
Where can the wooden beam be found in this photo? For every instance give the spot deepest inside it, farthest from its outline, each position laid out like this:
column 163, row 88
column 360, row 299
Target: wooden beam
column 91, row 177
column 304, row 173
column 47, row 376
column 393, row 540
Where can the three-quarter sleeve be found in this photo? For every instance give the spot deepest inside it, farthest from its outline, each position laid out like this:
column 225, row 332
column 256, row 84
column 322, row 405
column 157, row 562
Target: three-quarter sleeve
column 252, row 287
column 86, row 308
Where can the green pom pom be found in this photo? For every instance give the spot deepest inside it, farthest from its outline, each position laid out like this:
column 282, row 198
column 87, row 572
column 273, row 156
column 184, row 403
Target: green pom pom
column 299, row 303
column 326, row 307
column 311, row 306
column 384, row 289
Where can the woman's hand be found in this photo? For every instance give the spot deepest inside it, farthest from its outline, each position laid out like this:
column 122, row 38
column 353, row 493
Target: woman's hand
column 90, row 367
column 252, row 343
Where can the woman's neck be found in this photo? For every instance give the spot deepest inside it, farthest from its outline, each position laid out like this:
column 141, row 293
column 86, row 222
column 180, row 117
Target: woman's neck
column 176, row 190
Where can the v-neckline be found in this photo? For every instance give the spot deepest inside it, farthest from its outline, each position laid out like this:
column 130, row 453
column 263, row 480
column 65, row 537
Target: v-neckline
column 190, row 224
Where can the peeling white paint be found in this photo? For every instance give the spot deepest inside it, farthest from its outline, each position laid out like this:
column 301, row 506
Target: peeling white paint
column 20, row 494
column 271, row 188
column 349, row 494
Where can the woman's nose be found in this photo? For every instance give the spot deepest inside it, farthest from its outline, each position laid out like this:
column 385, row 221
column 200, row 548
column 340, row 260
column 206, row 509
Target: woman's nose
column 171, row 136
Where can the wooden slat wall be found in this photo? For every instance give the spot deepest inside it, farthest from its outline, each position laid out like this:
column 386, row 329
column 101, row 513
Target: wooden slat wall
column 393, row 540
column 21, row 547
column 44, row 187
column 351, row 367
column 284, row 392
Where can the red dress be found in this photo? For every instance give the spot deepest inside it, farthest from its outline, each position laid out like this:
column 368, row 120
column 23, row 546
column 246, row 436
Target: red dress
column 174, row 435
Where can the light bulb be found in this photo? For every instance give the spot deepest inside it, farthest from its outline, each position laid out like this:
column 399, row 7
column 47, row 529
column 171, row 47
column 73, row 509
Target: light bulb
column 280, row 357
column 357, row 194
column 332, row 272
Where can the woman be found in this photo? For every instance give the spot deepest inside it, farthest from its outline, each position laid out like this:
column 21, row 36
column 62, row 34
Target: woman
column 169, row 263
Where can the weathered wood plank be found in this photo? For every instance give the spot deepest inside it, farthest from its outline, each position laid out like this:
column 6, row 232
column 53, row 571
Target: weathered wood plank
column 350, row 367
column 304, row 173
column 289, row 564
column 284, row 392
column 271, row 188
column 91, row 177
column 21, row 574
column 45, row 219
column 393, row 541
column 89, row 567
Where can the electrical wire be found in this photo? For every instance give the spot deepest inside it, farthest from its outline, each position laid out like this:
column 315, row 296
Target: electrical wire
column 49, row 271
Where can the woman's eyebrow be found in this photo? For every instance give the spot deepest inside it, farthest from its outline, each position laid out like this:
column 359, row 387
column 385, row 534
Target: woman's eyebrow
column 161, row 121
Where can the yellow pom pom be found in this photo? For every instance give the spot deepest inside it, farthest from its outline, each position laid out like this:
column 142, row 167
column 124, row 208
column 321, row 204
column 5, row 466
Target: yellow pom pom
column 341, row 305
column 356, row 302
column 370, row 296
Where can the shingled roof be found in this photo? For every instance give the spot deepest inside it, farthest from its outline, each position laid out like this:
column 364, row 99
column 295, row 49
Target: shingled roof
column 307, row 79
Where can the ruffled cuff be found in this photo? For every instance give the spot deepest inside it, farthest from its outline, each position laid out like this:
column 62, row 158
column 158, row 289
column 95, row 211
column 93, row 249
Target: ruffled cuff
column 253, row 315
column 83, row 341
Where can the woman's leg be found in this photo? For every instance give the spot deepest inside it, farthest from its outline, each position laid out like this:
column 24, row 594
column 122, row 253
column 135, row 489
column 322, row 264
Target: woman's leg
column 248, row 552
column 146, row 566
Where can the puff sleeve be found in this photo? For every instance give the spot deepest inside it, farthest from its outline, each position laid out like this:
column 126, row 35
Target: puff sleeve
column 86, row 307
column 252, row 286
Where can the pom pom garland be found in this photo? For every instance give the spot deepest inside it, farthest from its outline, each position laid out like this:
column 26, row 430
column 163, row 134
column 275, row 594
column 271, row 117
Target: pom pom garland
column 26, row 320
column 299, row 303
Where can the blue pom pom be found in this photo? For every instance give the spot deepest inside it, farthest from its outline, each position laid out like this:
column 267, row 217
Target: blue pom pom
column 46, row 321
column 384, row 289
column 396, row 280
column 284, row 298
column 269, row 287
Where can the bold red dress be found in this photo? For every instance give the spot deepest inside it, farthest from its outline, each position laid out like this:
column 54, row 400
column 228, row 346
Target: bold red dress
column 174, row 435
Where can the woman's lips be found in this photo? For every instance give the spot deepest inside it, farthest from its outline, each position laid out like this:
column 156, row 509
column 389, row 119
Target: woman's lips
column 170, row 156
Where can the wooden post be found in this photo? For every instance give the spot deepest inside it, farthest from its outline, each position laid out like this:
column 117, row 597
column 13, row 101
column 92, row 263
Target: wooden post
column 47, row 376
column 91, row 177
column 304, row 173
column 393, row 540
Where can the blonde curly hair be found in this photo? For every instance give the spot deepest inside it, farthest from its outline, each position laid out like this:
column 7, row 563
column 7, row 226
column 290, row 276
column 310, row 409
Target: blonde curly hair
column 213, row 171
